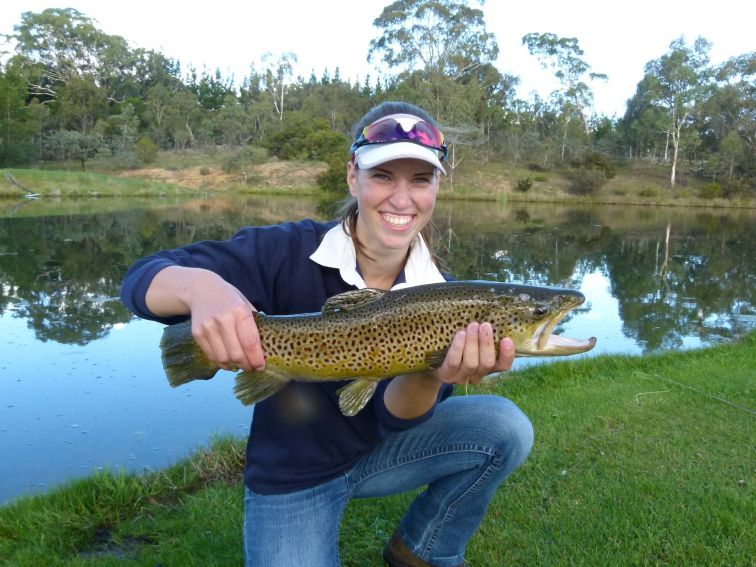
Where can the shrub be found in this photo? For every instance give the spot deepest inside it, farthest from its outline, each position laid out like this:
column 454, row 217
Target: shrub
column 710, row 191
column 649, row 192
column 333, row 178
column 524, row 184
column 596, row 161
column 585, row 181
column 246, row 157
column 146, row 150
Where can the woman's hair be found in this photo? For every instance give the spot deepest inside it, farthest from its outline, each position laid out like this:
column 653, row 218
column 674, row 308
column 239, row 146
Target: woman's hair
column 350, row 211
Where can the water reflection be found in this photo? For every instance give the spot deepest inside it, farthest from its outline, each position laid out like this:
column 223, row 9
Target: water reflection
column 81, row 383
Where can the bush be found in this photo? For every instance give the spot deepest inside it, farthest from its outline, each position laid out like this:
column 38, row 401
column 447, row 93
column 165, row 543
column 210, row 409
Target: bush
column 648, row 192
column 524, row 184
column 596, row 161
column 302, row 137
column 246, row 157
column 710, row 191
column 334, row 178
column 146, row 150
column 585, row 181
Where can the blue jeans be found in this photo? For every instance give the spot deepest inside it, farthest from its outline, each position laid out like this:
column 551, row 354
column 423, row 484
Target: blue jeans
column 462, row 453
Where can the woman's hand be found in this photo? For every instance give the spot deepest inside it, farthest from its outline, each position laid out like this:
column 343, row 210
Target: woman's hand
column 472, row 355
column 222, row 320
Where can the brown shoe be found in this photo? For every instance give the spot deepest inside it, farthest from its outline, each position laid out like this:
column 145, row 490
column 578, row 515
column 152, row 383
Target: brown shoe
column 397, row 554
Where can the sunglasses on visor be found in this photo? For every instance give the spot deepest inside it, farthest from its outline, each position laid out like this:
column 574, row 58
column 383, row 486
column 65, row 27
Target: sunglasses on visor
column 387, row 130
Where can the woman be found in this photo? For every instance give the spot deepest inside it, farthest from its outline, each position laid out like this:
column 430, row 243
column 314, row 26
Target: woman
column 305, row 459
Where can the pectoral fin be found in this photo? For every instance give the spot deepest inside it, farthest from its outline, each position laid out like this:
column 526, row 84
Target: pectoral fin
column 252, row 387
column 354, row 396
column 436, row 358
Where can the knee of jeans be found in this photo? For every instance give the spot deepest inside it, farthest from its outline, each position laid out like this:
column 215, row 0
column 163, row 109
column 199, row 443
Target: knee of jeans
column 511, row 432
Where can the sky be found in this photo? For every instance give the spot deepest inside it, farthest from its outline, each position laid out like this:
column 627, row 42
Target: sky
column 618, row 38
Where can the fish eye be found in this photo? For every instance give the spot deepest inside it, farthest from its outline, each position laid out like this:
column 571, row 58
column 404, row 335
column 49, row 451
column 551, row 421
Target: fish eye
column 540, row 310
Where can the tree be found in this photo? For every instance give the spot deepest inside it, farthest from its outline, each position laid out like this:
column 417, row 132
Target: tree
column 675, row 83
column 276, row 78
column 17, row 125
column 441, row 37
column 58, row 45
column 563, row 54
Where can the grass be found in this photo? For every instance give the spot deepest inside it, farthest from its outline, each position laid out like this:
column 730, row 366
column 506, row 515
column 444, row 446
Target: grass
column 83, row 184
column 638, row 461
column 636, row 183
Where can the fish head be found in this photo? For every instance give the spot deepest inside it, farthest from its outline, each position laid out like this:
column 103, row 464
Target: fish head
column 529, row 315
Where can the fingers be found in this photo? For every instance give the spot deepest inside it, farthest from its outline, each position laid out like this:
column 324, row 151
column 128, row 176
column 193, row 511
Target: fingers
column 232, row 340
column 472, row 355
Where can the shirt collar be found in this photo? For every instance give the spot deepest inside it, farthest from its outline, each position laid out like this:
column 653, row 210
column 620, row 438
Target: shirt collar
column 337, row 251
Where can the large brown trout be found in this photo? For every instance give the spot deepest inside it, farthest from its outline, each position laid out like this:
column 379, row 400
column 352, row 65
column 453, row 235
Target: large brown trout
column 369, row 335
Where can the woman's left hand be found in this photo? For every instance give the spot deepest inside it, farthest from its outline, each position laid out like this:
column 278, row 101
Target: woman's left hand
column 472, row 355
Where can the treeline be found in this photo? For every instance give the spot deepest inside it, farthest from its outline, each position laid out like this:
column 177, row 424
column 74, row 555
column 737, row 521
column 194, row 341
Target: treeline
column 70, row 91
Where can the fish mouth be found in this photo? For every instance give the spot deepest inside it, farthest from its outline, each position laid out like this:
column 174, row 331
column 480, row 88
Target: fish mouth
column 547, row 344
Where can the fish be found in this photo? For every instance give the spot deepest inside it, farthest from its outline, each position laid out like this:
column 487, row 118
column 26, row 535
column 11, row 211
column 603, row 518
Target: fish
column 369, row 335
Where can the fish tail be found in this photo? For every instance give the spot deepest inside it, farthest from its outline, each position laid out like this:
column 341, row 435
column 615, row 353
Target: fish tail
column 183, row 359
column 254, row 386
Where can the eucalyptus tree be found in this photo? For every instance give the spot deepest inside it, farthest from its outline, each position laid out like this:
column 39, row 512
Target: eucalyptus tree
column 60, row 44
column 675, row 83
column 564, row 56
column 18, row 128
column 728, row 119
column 278, row 71
column 439, row 42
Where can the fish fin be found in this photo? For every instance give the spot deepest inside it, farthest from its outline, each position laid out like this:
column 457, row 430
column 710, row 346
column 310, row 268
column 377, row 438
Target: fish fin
column 183, row 359
column 355, row 395
column 254, row 386
column 436, row 358
column 351, row 299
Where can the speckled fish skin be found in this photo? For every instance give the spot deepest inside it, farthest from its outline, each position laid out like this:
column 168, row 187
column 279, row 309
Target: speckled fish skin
column 368, row 335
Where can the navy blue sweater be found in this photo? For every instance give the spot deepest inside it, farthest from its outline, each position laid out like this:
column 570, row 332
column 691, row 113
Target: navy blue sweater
column 288, row 449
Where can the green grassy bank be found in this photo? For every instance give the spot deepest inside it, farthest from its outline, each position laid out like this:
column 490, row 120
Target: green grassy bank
column 637, row 461
column 638, row 184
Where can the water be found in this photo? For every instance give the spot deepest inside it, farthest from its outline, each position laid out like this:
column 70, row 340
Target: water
column 81, row 385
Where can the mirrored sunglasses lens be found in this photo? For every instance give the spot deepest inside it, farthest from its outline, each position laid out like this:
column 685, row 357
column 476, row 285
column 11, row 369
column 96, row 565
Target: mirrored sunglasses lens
column 426, row 134
column 383, row 131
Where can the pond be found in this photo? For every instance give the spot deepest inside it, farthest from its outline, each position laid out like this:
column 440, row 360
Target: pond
column 81, row 384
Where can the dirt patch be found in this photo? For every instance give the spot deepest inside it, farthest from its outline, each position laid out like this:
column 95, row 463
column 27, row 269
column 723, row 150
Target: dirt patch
column 280, row 174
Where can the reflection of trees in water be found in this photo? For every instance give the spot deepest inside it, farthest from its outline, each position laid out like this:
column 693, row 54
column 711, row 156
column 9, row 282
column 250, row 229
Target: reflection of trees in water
column 709, row 274
column 62, row 273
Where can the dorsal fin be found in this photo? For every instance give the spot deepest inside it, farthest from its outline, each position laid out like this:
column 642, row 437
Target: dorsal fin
column 351, row 299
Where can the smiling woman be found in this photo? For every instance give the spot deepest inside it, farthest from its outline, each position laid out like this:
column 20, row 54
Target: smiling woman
column 317, row 458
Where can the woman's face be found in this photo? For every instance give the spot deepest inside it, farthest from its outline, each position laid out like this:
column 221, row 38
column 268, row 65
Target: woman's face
column 395, row 201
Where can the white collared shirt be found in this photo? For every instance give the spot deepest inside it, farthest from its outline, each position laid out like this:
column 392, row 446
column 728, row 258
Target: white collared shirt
column 337, row 251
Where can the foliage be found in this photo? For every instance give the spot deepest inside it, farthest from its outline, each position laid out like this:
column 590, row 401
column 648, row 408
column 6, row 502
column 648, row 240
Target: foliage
column 711, row 191
column 585, row 181
column 442, row 37
column 146, row 150
column 596, row 161
column 65, row 74
column 301, row 137
column 524, row 184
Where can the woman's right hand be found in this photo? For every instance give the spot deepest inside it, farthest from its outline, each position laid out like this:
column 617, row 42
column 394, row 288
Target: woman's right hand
column 222, row 320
